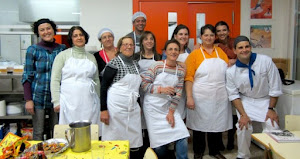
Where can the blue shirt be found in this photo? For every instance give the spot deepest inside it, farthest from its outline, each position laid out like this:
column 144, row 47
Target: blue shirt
column 37, row 71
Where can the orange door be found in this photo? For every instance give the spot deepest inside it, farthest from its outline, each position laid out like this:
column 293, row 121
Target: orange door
column 213, row 12
column 157, row 15
column 157, row 18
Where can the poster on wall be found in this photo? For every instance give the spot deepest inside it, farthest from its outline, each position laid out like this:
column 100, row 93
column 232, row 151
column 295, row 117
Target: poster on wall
column 260, row 36
column 261, row 9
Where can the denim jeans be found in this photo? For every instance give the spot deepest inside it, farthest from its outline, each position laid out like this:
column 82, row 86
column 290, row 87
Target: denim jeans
column 181, row 148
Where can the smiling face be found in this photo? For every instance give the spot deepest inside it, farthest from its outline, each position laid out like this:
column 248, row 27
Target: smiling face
column 182, row 37
column 243, row 51
column 78, row 38
column 222, row 32
column 208, row 37
column 107, row 40
column 127, row 47
column 172, row 51
column 46, row 32
column 139, row 24
column 148, row 42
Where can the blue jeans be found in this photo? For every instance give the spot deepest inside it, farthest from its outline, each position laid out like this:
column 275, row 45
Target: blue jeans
column 181, row 148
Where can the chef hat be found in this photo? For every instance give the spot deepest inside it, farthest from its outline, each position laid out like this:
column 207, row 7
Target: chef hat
column 104, row 30
column 138, row 14
column 240, row 39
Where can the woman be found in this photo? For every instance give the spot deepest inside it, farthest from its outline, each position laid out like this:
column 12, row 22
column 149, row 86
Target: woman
column 181, row 34
column 148, row 53
column 207, row 101
column 225, row 42
column 75, row 81
column 37, row 74
column 163, row 83
column 120, row 111
column 146, row 57
column 108, row 51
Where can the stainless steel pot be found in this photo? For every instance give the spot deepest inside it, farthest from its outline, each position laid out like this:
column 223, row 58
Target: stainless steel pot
column 80, row 136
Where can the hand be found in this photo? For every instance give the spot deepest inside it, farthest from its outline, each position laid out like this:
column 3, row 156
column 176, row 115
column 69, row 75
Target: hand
column 244, row 121
column 104, row 117
column 29, row 106
column 168, row 90
column 57, row 109
column 197, row 46
column 170, row 118
column 182, row 64
column 273, row 116
column 231, row 62
column 190, row 104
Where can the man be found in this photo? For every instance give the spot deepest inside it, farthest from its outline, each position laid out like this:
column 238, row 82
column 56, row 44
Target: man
column 139, row 23
column 253, row 85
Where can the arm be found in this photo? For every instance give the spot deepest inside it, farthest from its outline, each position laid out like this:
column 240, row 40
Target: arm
column 58, row 64
column 271, row 113
column 189, row 95
column 28, row 76
column 108, row 76
column 96, row 75
column 148, row 79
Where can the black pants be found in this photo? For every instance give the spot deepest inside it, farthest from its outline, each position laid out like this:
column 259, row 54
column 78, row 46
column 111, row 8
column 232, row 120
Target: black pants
column 136, row 153
column 199, row 142
column 232, row 131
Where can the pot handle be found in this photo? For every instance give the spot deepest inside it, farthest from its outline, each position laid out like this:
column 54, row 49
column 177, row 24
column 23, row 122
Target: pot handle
column 67, row 137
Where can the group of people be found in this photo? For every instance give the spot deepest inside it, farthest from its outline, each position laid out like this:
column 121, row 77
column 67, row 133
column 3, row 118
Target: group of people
column 133, row 93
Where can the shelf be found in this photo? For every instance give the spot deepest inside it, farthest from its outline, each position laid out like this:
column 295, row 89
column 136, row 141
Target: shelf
column 9, row 117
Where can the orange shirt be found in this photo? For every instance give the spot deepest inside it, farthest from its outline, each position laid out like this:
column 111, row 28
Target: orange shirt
column 196, row 58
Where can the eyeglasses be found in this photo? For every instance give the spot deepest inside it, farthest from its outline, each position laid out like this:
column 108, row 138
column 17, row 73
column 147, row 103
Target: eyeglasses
column 127, row 45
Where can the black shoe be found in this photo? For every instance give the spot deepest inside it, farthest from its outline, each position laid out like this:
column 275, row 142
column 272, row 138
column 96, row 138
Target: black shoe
column 219, row 156
column 221, row 147
column 198, row 156
column 230, row 147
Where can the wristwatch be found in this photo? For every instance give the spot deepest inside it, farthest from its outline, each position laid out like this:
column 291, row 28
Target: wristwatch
column 272, row 108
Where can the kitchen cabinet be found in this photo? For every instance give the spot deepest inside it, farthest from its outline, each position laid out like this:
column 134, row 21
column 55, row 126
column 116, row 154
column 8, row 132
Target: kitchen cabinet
column 11, row 84
column 288, row 102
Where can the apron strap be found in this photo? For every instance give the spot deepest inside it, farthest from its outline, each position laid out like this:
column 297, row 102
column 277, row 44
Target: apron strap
column 204, row 55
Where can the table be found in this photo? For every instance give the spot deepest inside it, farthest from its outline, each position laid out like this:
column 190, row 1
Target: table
column 112, row 150
column 287, row 150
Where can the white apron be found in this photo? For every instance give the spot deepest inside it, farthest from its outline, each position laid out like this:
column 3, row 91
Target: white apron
column 212, row 112
column 182, row 103
column 144, row 65
column 156, row 108
column 124, row 111
column 78, row 97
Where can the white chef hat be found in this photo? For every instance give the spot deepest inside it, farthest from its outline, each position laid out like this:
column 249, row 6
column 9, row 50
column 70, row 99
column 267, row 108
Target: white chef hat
column 104, row 30
column 138, row 14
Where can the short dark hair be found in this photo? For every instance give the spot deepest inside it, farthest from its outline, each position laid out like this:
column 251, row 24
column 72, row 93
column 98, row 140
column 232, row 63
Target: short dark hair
column 143, row 36
column 35, row 25
column 86, row 35
column 240, row 39
column 208, row 26
column 170, row 42
column 222, row 23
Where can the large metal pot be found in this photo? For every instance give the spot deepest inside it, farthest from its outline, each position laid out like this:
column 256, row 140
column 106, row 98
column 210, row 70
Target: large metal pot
column 80, row 136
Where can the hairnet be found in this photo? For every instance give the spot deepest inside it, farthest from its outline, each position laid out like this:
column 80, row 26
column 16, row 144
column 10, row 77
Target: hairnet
column 104, row 30
column 138, row 14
